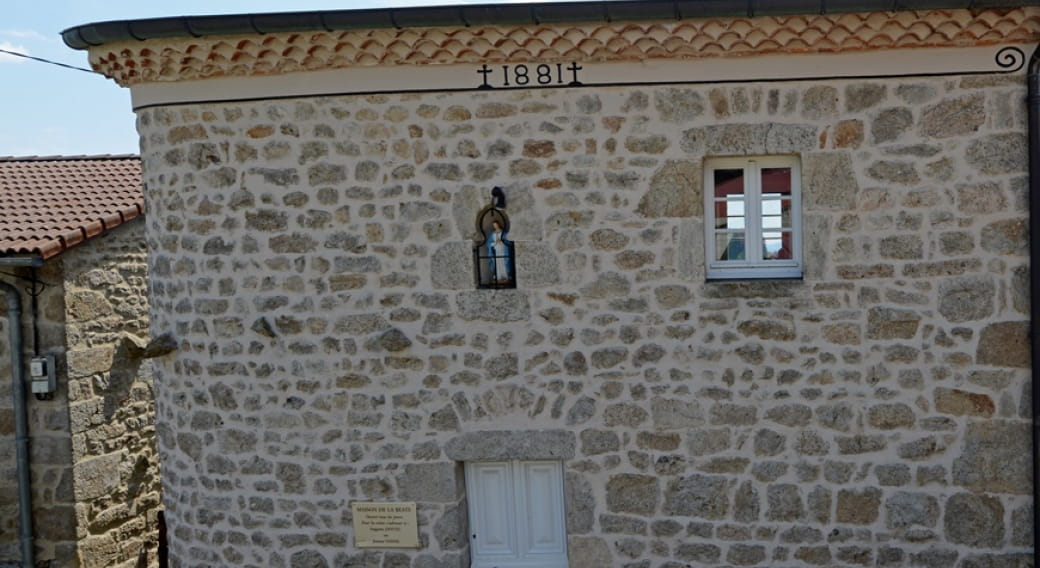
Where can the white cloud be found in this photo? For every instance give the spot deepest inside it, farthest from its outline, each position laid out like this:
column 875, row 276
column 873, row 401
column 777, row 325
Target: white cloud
column 8, row 46
column 25, row 34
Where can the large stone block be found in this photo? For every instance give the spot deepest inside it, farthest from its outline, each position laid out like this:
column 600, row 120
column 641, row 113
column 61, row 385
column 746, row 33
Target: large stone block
column 891, row 416
column 493, row 305
column 431, row 483
column 1004, row 344
column 1006, row 237
column 974, row 520
column 995, row 457
column 967, row 298
column 891, row 124
column 451, row 266
column 862, row 96
column 450, row 529
column 580, row 504
column 776, row 328
column 829, row 181
column 905, row 509
column 700, row 496
column 749, row 139
column 858, row 506
column 961, row 116
column 595, row 442
column 891, row 323
column 672, row 414
column 633, row 494
column 678, row 105
column 698, row 552
column 588, row 552
column 705, row 442
column 675, row 191
column 511, row 445
column 622, row 525
column 97, row 477
column 963, row 403
column 536, row 265
column 746, row 554
column 981, row 198
column 99, row 550
column 784, row 503
column 998, row 154
column 87, row 362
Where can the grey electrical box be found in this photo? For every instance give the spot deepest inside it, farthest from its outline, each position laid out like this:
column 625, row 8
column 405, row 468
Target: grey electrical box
column 41, row 369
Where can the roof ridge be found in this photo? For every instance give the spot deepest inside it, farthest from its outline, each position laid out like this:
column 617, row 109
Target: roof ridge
column 78, row 157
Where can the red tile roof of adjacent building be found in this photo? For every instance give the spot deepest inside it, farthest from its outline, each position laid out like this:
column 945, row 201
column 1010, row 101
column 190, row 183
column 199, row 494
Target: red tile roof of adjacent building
column 49, row 204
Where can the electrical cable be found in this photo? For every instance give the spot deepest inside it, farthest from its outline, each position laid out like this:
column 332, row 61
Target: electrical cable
column 16, row 54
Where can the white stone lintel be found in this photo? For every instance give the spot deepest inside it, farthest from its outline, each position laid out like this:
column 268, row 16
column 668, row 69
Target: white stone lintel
column 498, row 76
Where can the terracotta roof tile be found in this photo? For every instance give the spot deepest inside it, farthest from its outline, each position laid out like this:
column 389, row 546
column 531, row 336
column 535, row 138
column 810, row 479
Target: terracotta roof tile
column 172, row 59
column 48, row 204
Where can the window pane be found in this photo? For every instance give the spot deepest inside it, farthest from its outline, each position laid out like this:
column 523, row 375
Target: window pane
column 729, row 214
column 776, row 181
column 729, row 246
column 729, row 199
column 729, row 182
column 777, row 245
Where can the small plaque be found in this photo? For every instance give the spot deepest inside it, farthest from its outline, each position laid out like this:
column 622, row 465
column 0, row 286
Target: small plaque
column 385, row 525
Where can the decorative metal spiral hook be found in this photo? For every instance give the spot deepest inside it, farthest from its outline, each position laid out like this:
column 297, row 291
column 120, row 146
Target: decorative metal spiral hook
column 1010, row 59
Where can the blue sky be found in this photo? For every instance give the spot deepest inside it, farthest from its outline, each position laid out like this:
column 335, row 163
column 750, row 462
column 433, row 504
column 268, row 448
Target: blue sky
column 50, row 110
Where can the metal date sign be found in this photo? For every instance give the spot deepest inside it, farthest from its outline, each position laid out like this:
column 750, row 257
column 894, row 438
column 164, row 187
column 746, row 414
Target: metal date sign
column 529, row 75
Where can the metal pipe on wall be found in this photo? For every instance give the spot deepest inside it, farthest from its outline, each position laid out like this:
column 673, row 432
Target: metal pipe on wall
column 1033, row 124
column 21, row 423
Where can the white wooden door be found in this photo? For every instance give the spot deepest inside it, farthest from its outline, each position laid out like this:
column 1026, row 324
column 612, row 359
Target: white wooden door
column 492, row 508
column 516, row 514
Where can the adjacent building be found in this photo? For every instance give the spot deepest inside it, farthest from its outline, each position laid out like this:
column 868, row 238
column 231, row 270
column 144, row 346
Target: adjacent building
column 73, row 271
column 641, row 284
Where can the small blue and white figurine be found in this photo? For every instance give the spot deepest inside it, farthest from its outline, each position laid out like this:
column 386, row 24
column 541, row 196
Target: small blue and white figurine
column 498, row 255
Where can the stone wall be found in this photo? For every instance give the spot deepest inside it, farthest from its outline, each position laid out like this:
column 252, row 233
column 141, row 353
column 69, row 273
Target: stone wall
column 313, row 259
column 111, row 403
column 50, row 454
column 95, row 469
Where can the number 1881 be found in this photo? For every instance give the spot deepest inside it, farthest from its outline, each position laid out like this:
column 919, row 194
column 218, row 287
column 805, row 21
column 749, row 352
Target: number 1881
column 523, row 75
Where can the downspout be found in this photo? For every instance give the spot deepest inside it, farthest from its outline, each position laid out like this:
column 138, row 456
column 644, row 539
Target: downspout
column 1033, row 114
column 21, row 423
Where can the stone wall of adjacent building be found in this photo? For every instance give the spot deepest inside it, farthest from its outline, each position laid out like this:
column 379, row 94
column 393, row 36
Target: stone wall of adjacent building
column 95, row 477
column 116, row 484
column 313, row 258
column 50, row 455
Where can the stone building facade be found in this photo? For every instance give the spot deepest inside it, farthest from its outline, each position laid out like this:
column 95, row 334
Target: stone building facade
column 313, row 257
column 94, row 463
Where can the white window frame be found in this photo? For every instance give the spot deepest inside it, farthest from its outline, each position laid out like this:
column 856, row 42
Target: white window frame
column 516, row 514
column 754, row 265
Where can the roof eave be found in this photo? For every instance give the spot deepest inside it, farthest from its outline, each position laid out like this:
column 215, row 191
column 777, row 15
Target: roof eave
column 21, row 261
column 96, row 34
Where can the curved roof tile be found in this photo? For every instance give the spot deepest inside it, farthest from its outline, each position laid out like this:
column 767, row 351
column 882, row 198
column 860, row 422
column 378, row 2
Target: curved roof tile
column 185, row 58
column 48, row 204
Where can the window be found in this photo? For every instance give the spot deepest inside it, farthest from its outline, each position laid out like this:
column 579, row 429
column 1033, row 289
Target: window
column 516, row 515
column 753, row 217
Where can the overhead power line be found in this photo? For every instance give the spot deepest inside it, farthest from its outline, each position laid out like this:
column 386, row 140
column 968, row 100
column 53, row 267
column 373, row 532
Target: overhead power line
column 16, row 54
